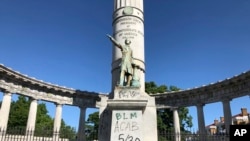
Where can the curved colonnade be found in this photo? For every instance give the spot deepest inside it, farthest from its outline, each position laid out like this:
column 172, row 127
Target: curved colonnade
column 221, row 91
column 12, row 82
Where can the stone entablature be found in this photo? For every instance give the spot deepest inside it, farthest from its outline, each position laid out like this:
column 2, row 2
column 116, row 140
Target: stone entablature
column 227, row 89
column 15, row 82
column 222, row 91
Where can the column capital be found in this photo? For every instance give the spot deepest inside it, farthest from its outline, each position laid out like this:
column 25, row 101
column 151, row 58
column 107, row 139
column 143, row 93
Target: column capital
column 7, row 92
column 174, row 108
column 34, row 98
column 226, row 99
column 82, row 106
column 58, row 104
column 200, row 104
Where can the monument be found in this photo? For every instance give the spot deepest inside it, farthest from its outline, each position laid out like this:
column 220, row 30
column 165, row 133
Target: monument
column 128, row 114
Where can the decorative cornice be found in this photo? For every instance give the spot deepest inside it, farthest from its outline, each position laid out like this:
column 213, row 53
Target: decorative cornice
column 15, row 82
column 229, row 88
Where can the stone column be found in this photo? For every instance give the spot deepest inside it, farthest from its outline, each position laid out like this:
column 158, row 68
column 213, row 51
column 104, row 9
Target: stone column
column 176, row 125
column 81, row 128
column 227, row 114
column 201, row 122
column 30, row 128
column 57, row 122
column 4, row 112
column 128, row 23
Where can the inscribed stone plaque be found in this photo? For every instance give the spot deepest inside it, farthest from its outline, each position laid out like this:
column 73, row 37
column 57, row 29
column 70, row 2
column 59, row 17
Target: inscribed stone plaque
column 127, row 93
column 126, row 125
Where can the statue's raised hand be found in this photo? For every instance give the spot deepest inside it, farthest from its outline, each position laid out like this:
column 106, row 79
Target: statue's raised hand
column 109, row 36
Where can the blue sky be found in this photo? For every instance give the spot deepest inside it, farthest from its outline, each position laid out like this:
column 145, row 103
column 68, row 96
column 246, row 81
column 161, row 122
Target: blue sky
column 188, row 43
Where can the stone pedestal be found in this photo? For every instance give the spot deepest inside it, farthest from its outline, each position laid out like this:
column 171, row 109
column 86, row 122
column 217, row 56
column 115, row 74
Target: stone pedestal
column 130, row 115
column 126, row 125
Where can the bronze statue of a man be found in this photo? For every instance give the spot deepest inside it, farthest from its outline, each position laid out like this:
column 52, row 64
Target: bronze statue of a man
column 126, row 62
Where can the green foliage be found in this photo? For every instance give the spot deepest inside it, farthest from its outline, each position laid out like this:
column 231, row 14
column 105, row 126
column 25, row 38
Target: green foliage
column 152, row 88
column 92, row 125
column 19, row 112
column 43, row 120
column 94, row 118
column 165, row 116
column 67, row 131
column 185, row 118
column 18, row 117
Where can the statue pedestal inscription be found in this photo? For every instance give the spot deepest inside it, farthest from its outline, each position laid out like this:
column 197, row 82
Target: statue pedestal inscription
column 132, row 114
column 126, row 125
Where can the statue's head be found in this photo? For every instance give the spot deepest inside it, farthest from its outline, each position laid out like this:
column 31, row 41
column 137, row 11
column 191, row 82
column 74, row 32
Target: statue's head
column 127, row 42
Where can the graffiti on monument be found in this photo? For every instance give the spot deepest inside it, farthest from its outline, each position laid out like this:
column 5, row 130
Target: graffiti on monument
column 129, row 94
column 126, row 125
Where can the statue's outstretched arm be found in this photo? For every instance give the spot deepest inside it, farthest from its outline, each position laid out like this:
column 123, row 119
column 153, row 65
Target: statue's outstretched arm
column 114, row 41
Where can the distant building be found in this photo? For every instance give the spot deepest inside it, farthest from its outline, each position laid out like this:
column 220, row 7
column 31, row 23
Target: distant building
column 242, row 118
column 218, row 127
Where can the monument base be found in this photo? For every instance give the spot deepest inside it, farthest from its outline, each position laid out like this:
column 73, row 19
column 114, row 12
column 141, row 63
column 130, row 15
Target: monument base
column 130, row 115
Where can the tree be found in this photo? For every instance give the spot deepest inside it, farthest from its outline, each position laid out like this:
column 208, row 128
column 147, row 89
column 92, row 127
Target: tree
column 67, row 131
column 94, row 118
column 43, row 120
column 18, row 117
column 19, row 112
column 164, row 116
column 92, row 126
column 152, row 88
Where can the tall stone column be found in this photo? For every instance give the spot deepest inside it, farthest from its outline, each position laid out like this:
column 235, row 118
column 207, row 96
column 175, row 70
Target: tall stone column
column 30, row 128
column 201, row 122
column 176, row 125
column 128, row 113
column 128, row 23
column 57, row 122
column 4, row 112
column 227, row 114
column 81, row 128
